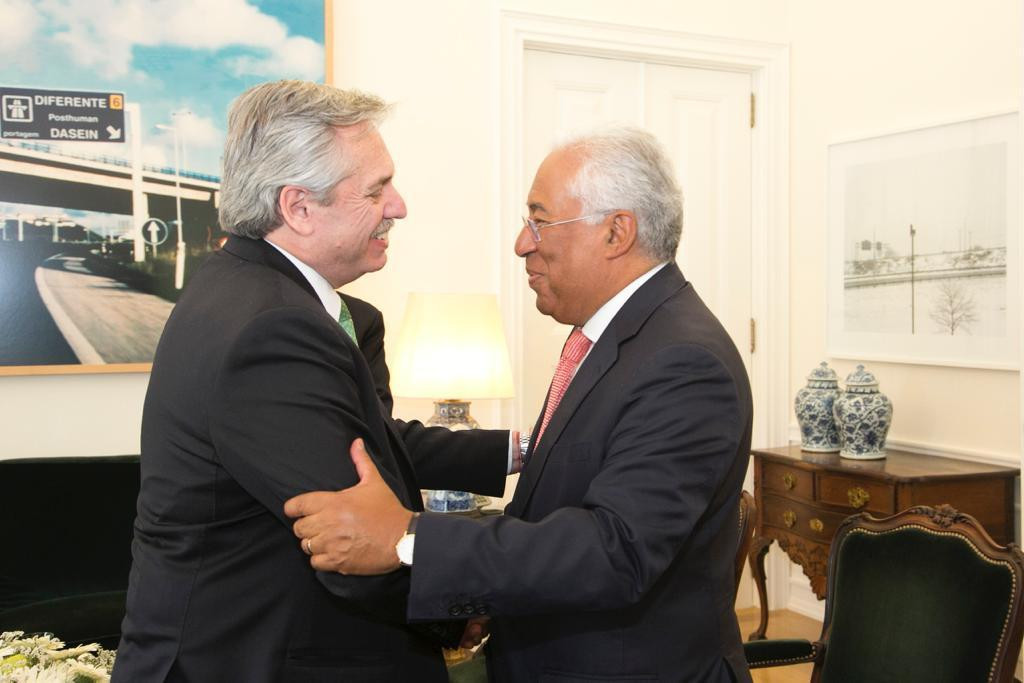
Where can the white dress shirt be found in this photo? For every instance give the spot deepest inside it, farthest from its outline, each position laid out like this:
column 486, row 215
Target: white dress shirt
column 598, row 323
column 327, row 294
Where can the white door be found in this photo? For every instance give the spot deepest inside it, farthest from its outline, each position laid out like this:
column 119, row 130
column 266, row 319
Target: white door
column 703, row 119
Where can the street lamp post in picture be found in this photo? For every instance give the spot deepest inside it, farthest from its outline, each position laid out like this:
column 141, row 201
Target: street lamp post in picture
column 179, row 262
column 912, row 301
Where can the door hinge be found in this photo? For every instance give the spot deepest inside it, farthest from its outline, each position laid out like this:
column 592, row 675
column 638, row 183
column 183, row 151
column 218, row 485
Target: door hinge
column 753, row 335
column 753, row 109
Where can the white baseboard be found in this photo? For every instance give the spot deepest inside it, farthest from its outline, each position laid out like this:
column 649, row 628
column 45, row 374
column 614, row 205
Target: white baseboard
column 802, row 599
column 746, row 595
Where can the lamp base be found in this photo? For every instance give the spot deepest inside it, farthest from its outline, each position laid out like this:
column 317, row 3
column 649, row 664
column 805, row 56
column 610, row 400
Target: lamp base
column 452, row 414
column 455, row 416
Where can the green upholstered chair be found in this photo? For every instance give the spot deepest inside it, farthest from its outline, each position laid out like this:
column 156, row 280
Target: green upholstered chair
column 470, row 671
column 66, row 539
column 923, row 596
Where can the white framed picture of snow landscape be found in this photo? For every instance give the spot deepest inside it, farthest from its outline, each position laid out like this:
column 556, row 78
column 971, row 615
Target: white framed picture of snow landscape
column 923, row 231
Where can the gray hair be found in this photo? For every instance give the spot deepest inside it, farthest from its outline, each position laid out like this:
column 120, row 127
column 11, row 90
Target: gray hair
column 283, row 133
column 627, row 168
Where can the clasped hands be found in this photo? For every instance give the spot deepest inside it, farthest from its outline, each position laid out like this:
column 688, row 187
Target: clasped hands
column 354, row 531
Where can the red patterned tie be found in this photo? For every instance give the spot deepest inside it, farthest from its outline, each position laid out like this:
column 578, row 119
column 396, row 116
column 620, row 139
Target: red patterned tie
column 575, row 349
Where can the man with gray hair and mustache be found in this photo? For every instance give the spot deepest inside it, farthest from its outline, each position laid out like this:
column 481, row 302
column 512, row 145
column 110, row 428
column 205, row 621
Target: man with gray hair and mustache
column 257, row 390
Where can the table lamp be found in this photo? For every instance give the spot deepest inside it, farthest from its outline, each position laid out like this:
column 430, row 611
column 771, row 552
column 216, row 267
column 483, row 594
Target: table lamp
column 451, row 346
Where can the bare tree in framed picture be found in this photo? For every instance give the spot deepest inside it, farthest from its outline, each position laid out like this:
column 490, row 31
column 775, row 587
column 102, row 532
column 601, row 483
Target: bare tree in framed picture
column 923, row 233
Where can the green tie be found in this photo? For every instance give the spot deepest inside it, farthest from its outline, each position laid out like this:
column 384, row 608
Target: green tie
column 345, row 320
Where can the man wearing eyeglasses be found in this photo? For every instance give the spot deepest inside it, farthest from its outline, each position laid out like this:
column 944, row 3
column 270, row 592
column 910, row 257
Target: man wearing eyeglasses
column 614, row 560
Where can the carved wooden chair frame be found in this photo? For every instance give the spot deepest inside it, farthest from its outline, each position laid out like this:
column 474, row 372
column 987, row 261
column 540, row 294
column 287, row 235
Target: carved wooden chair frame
column 748, row 524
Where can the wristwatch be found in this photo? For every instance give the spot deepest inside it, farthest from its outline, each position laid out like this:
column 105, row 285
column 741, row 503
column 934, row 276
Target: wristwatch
column 405, row 544
column 524, row 444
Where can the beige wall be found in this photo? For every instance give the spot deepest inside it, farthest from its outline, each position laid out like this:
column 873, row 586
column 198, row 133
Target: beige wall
column 876, row 67
column 857, row 69
column 70, row 414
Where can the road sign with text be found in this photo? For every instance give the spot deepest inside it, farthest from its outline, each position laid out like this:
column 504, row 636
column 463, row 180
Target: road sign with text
column 32, row 114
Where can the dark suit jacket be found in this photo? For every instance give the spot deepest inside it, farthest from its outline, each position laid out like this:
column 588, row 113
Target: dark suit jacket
column 369, row 324
column 614, row 560
column 256, row 394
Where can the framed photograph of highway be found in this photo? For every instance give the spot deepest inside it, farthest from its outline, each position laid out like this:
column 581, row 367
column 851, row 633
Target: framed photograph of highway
column 923, row 230
column 112, row 122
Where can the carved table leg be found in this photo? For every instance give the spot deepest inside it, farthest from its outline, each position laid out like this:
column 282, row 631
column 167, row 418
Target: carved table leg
column 758, row 549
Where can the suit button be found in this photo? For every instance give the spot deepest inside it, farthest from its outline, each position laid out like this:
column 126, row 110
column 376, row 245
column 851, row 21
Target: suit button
column 468, row 608
column 481, row 610
column 454, row 610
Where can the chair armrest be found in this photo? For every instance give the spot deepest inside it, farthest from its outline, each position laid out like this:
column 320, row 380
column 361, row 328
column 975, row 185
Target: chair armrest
column 780, row 652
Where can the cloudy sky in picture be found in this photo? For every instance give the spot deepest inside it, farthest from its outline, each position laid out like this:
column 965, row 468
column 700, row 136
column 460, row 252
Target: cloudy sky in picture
column 955, row 198
column 182, row 61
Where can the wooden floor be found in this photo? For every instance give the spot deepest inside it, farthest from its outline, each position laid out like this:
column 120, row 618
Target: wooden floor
column 781, row 624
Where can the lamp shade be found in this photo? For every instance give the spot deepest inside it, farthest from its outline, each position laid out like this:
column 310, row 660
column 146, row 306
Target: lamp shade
column 451, row 346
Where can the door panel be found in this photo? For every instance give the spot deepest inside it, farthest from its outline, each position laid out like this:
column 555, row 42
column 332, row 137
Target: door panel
column 703, row 118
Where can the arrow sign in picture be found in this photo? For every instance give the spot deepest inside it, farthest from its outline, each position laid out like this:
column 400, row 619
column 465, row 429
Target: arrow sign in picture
column 155, row 231
column 34, row 114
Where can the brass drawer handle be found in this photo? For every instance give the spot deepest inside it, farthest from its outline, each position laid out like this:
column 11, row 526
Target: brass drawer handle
column 817, row 525
column 858, row 497
column 789, row 518
column 789, row 480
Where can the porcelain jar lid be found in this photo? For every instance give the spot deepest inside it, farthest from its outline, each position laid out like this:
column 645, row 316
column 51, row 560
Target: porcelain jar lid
column 861, row 381
column 823, row 373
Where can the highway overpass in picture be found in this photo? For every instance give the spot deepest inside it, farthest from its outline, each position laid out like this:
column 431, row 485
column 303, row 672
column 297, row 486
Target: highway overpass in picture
column 37, row 173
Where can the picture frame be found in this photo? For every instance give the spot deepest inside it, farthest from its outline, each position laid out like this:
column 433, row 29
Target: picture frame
column 923, row 238
column 81, row 290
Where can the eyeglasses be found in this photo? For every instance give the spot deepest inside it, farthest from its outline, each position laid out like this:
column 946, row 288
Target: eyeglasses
column 535, row 227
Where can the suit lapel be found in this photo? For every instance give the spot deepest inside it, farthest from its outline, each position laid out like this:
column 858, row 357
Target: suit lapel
column 624, row 326
column 602, row 357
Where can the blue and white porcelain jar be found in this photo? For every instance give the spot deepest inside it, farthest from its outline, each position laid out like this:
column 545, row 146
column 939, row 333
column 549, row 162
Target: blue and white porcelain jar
column 863, row 415
column 813, row 407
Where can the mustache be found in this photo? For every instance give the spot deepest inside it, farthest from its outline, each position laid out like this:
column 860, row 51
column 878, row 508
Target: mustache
column 383, row 228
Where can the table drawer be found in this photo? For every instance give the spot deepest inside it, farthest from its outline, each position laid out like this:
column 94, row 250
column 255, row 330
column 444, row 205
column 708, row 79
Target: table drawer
column 803, row 520
column 790, row 481
column 856, row 494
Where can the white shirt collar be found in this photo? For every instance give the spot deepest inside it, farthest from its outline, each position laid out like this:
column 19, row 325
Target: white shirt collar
column 598, row 323
column 327, row 295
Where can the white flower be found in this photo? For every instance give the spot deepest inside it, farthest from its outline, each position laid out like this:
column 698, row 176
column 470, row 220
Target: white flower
column 74, row 652
column 43, row 659
column 91, row 672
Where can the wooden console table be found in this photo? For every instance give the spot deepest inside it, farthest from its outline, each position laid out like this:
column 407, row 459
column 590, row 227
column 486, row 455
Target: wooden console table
column 802, row 498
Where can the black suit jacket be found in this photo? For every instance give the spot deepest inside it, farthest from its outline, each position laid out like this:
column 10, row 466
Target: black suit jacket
column 614, row 560
column 369, row 324
column 255, row 396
